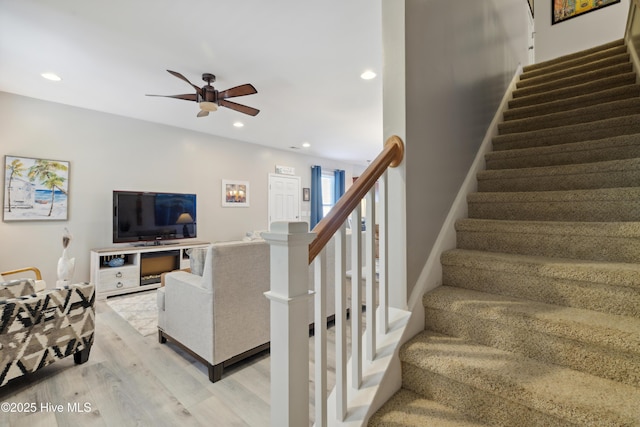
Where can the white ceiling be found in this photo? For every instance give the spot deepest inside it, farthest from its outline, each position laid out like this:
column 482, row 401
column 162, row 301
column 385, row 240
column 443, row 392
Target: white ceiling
column 304, row 58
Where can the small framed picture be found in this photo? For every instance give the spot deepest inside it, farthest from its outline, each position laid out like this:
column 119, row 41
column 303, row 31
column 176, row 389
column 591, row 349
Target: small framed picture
column 235, row 194
column 306, row 194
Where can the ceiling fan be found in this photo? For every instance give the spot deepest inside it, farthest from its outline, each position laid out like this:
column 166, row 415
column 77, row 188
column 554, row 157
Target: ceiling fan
column 209, row 98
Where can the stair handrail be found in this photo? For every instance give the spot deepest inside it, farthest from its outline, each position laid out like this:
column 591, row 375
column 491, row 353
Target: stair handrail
column 391, row 156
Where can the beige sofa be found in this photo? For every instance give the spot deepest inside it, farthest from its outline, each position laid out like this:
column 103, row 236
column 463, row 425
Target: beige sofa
column 222, row 317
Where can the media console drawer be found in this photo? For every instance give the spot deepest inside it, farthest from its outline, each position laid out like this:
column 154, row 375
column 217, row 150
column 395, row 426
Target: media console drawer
column 118, row 278
column 136, row 268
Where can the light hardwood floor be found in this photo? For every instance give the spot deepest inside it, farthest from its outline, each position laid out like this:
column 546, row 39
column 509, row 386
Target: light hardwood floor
column 131, row 380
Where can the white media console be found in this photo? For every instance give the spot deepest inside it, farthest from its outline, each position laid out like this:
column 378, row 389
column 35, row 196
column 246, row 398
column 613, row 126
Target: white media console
column 120, row 270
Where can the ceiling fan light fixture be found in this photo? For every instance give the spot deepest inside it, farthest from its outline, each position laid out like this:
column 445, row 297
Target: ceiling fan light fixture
column 208, row 106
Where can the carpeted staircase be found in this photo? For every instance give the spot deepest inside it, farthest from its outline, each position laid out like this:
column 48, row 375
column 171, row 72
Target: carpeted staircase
column 538, row 320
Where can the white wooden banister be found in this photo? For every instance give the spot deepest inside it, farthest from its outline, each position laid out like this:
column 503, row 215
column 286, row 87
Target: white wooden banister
column 293, row 248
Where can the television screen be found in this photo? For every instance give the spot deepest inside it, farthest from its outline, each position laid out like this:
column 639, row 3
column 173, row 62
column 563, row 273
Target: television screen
column 147, row 216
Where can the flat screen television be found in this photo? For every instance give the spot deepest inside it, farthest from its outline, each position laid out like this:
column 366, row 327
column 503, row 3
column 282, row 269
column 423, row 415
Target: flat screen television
column 153, row 217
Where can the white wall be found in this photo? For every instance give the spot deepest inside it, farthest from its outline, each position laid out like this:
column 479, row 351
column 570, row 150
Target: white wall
column 108, row 152
column 581, row 32
column 459, row 59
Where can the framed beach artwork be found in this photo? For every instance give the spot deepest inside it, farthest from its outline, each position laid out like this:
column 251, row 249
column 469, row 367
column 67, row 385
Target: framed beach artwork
column 567, row 9
column 35, row 189
column 235, row 194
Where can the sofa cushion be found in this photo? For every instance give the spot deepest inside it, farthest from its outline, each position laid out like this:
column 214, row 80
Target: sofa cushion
column 253, row 235
column 17, row 288
column 160, row 299
column 197, row 257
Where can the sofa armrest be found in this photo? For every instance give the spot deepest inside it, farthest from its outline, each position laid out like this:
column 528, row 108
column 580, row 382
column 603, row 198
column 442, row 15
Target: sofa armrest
column 188, row 316
column 163, row 275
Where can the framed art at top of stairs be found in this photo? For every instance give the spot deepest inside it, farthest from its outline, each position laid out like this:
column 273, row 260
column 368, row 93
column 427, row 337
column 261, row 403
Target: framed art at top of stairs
column 35, row 189
column 561, row 10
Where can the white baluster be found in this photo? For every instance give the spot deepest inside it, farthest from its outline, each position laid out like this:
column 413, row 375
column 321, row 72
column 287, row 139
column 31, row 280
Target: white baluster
column 383, row 247
column 370, row 297
column 320, row 337
column 341, row 323
column 356, row 298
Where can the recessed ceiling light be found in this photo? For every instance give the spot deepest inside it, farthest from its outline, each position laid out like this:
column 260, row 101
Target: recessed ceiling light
column 306, row 145
column 238, row 124
column 51, row 76
column 368, row 75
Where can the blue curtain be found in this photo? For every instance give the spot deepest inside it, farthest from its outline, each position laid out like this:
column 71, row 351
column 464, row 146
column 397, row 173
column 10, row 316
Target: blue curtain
column 316, row 195
column 338, row 186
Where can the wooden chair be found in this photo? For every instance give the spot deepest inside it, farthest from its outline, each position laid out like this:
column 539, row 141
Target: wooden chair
column 40, row 284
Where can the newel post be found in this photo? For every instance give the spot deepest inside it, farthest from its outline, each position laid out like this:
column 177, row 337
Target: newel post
column 289, row 296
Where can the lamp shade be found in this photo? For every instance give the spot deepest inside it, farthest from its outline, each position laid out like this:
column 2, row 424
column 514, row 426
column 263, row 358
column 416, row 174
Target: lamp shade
column 184, row 218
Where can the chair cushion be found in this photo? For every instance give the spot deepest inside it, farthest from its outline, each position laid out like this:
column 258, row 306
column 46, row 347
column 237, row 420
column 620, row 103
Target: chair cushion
column 160, row 299
column 17, row 288
column 197, row 257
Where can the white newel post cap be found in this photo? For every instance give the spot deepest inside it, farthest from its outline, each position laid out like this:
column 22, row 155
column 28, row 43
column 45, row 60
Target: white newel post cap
column 294, row 232
column 289, row 242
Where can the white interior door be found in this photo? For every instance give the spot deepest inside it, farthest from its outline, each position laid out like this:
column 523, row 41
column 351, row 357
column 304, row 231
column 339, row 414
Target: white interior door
column 284, row 198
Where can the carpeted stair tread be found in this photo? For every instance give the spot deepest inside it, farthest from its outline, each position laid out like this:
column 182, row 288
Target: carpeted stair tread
column 624, row 107
column 609, row 204
column 572, row 70
column 615, row 148
column 602, row 286
column 571, row 103
column 600, row 129
column 564, row 82
column 586, row 55
column 609, row 174
column 410, row 409
column 598, row 241
column 510, row 389
column 601, row 344
column 623, row 79
column 617, row 334
column 528, row 73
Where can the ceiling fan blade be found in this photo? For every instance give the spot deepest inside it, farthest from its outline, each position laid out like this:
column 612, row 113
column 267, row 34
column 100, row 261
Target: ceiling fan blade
column 203, row 113
column 181, row 77
column 242, row 90
column 186, row 96
column 238, row 107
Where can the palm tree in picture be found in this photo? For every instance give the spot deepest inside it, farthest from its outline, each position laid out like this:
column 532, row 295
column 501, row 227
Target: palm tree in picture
column 16, row 168
column 45, row 172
